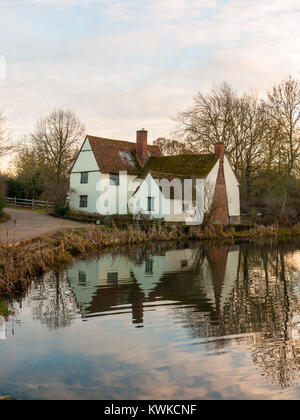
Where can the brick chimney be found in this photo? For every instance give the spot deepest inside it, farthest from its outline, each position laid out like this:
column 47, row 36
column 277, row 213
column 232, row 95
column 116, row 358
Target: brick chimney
column 220, row 150
column 142, row 153
column 220, row 214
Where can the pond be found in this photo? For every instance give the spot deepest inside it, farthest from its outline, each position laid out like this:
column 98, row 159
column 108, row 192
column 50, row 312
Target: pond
column 191, row 321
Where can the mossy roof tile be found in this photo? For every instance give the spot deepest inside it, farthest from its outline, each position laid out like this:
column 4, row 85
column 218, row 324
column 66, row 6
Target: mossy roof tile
column 113, row 156
column 185, row 165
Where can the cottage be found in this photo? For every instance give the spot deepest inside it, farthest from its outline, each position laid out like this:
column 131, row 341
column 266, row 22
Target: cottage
column 117, row 177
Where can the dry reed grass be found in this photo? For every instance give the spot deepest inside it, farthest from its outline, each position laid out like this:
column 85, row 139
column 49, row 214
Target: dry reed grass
column 18, row 265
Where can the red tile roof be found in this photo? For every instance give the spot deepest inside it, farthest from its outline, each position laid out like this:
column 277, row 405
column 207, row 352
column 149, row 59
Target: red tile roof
column 113, row 156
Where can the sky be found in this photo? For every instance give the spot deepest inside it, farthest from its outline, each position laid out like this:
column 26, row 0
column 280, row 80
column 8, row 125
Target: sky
column 123, row 65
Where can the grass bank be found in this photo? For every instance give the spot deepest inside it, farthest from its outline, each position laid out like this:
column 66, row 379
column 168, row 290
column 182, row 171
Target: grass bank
column 20, row 264
column 4, row 217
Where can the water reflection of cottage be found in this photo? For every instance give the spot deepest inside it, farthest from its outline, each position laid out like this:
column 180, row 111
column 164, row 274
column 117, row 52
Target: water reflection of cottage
column 2, row 328
column 122, row 284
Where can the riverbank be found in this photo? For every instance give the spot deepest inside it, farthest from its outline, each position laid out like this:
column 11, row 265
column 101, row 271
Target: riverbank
column 19, row 264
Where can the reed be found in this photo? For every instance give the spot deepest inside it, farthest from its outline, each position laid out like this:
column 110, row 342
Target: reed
column 4, row 311
column 20, row 264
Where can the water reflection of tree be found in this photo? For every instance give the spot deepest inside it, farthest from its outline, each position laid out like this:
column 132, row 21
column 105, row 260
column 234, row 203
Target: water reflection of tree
column 259, row 313
column 53, row 303
column 274, row 350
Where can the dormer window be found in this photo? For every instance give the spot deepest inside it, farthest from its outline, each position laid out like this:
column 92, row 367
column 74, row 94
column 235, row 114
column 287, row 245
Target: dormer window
column 114, row 179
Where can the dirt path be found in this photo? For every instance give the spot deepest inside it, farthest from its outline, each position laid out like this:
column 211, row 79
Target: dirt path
column 26, row 224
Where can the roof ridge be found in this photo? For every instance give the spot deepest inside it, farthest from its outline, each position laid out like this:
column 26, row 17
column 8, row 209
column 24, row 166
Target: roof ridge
column 186, row 154
column 107, row 139
column 119, row 141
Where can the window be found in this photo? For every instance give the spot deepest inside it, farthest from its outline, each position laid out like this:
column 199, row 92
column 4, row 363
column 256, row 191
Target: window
column 184, row 263
column 84, row 178
column 83, row 201
column 114, row 179
column 172, row 193
column 149, row 267
column 82, row 278
column 150, row 203
column 112, row 279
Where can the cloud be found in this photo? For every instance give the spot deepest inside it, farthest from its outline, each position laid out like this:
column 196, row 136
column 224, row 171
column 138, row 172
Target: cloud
column 123, row 65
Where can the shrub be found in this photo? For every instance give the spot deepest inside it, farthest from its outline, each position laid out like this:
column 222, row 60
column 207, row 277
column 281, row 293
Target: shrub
column 63, row 211
column 4, row 311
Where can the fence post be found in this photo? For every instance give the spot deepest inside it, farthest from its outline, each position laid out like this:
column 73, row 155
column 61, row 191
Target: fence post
column 15, row 201
column 47, row 206
column 32, row 203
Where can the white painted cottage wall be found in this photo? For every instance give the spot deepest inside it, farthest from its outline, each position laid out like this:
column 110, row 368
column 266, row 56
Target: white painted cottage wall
column 85, row 162
column 148, row 188
column 77, row 189
column 232, row 188
column 116, row 193
column 92, row 191
column 210, row 185
column 162, row 209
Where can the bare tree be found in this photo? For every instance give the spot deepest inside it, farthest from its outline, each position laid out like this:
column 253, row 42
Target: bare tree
column 56, row 140
column 238, row 121
column 30, row 171
column 209, row 119
column 283, row 106
column 6, row 145
column 171, row 147
column 248, row 139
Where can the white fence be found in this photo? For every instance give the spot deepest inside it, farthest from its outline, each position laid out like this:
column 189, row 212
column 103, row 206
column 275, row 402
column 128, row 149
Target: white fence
column 27, row 203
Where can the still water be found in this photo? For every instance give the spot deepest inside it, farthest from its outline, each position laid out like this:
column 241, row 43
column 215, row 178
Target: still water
column 187, row 322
